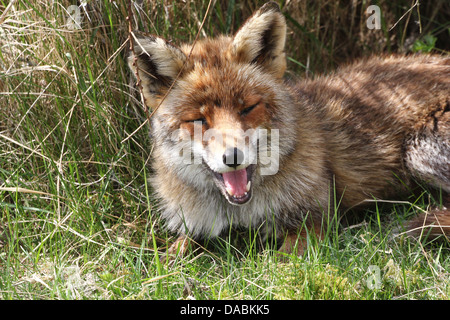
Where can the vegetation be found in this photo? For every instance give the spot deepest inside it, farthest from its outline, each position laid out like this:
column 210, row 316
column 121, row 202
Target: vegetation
column 77, row 217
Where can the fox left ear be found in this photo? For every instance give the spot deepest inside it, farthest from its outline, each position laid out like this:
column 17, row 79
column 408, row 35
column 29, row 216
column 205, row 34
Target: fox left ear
column 261, row 40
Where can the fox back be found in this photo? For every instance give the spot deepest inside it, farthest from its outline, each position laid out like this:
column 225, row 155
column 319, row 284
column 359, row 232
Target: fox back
column 236, row 144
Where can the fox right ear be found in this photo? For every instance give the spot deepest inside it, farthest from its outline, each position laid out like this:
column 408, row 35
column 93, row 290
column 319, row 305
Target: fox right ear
column 157, row 63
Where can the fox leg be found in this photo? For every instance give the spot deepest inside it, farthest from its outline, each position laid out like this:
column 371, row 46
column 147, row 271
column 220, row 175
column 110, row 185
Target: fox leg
column 180, row 245
column 179, row 248
column 431, row 224
column 428, row 159
column 296, row 242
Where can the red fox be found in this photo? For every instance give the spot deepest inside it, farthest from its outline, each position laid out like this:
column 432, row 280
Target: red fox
column 236, row 144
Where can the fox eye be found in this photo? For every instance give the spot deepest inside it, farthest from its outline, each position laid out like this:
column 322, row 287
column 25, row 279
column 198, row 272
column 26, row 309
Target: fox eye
column 202, row 120
column 246, row 111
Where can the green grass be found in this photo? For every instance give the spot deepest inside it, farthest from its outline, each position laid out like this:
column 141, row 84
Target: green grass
column 77, row 218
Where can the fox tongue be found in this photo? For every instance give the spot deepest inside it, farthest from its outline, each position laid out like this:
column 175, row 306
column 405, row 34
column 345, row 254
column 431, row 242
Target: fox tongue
column 236, row 182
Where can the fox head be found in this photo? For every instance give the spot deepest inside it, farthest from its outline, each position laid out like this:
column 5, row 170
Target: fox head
column 216, row 101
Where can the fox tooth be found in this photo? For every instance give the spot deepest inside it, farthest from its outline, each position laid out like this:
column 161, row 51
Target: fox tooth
column 229, row 191
column 249, row 184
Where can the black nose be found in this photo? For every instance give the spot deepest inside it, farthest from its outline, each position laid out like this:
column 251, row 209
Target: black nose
column 233, row 157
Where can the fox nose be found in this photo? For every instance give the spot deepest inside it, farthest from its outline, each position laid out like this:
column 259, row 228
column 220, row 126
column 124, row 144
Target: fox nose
column 233, row 157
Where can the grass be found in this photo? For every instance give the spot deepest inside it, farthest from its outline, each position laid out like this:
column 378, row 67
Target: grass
column 77, row 218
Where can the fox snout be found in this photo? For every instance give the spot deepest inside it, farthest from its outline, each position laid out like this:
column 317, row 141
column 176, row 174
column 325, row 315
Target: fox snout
column 233, row 157
column 230, row 162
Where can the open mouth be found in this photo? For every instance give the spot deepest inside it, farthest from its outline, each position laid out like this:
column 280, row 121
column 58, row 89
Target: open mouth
column 236, row 185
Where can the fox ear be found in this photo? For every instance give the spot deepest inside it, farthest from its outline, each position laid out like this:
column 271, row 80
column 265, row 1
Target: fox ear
column 157, row 63
column 262, row 38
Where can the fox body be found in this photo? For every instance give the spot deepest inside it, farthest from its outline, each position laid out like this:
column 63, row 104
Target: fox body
column 367, row 131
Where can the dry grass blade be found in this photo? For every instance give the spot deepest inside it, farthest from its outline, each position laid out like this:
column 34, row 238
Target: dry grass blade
column 25, row 190
column 160, row 277
column 33, row 151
